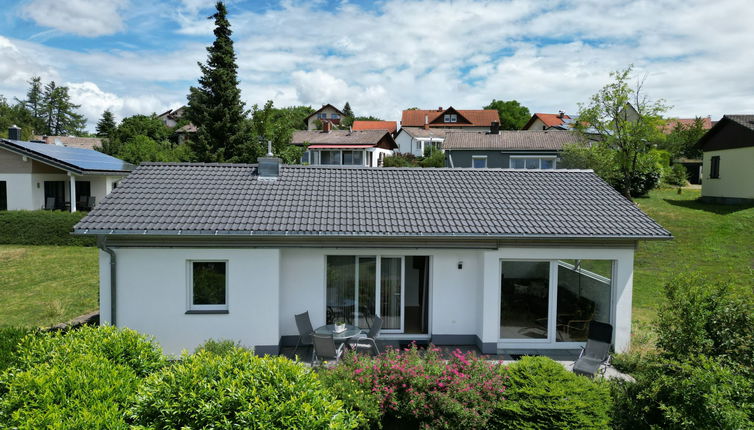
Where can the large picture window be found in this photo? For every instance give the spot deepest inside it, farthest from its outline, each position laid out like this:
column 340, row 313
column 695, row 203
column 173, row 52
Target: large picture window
column 532, row 163
column 554, row 300
column 208, row 286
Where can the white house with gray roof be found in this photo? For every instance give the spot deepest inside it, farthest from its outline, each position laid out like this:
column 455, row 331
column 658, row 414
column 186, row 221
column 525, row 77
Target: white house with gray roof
column 511, row 260
column 41, row 176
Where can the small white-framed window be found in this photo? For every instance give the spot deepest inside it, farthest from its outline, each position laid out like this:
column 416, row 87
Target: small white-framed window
column 451, row 117
column 322, row 116
column 533, row 162
column 479, row 161
column 335, row 116
column 207, row 286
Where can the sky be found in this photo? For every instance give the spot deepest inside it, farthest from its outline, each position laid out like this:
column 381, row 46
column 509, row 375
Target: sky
column 140, row 56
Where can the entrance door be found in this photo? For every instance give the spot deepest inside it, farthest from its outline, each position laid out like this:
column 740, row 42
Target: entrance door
column 3, row 196
column 55, row 190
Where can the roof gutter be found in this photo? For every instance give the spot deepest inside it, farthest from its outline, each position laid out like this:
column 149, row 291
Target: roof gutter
column 102, row 244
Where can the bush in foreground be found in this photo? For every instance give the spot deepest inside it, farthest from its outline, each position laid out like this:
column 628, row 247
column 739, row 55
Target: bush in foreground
column 238, row 390
column 542, row 394
column 409, row 389
column 9, row 340
column 41, row 228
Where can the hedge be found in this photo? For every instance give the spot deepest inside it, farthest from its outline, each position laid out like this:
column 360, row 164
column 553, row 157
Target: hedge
column 41, row 228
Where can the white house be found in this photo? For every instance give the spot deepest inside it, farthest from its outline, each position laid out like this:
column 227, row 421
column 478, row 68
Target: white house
column 38, row 176
column 344, row 147
column 728, row 157
column 327, row 113
column 502, row 259
column 414, row 140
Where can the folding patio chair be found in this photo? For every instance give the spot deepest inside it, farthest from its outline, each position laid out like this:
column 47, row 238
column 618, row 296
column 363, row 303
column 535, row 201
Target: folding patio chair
column 324, row 348
column 596, row 355
column 305, row 331
column 368, row 340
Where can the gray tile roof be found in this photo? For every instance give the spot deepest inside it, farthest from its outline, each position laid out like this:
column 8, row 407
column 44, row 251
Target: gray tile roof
column 745, row 120
column 421, row 132
column 338, row 137
column 510, row 140
column 165, row 198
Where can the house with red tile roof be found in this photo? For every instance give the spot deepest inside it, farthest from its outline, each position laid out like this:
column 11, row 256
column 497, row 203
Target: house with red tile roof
column 450, row 118
column 390, row 126
column 545, row 121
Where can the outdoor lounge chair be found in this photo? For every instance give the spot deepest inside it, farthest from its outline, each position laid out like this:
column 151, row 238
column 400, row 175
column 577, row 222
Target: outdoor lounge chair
column 597, row 351
column 305, row 331
column 50, row 204
column 368, row 340
column 324, row 348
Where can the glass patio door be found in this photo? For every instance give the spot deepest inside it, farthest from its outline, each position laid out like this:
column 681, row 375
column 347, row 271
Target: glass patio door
column 391, row 293
column 525, row 300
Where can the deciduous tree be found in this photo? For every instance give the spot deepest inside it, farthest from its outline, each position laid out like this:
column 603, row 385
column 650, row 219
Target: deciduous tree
column 513, row 116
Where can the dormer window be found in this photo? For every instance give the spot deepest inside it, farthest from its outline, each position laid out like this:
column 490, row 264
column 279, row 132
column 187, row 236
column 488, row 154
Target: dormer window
column 322, row 115
column 335, row 116
column 450, row 118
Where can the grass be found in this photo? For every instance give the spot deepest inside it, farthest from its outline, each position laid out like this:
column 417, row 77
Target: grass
column 46, row 285
column 717, row 240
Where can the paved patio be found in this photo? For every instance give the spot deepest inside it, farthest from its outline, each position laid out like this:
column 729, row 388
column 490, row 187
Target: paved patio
column 565, row 357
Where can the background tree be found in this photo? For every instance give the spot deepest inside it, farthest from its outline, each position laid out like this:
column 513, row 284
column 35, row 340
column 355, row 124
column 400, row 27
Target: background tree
column 348, row 116
column 215, row 107
column 276, row 125
column 106, row 125
column 367, row 118
column 34, row 103
column 59, row 113
column 681, row 142
column 513, row 116
column 626, row 121
column 18, row 115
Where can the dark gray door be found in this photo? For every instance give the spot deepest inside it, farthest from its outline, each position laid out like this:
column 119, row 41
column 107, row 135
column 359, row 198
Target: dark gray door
column 56, row 190
column 3, row 196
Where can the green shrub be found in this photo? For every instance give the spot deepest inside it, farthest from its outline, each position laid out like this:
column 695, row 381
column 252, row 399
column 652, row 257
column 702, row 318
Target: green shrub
column 541, row 394
column 218, row 347
column 9, row 340
column 700, row 393
column 675, row 175
column 79, row 392
column 701, row 317
column 41, row 228
column 118, row 346
column 408, row 389
column 400, row 160
column 238, row 390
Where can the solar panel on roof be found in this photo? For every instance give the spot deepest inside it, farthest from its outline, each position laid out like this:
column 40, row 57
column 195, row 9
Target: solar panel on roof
column 81, row 158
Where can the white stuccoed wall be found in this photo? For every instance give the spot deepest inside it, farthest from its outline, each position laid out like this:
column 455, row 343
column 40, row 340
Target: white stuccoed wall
column 152, row 296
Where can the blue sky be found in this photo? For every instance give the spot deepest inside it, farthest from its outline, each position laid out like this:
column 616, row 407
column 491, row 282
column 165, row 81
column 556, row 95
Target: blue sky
column 138, row 56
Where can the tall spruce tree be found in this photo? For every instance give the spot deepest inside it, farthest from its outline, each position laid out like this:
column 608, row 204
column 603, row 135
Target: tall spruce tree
column 34, row 102
column 215, row 107
column 348, row 114
column 106, row 125
column 59, row 113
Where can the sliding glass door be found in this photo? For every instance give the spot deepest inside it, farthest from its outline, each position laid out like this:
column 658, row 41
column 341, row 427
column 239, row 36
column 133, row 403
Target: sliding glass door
column 360, row 287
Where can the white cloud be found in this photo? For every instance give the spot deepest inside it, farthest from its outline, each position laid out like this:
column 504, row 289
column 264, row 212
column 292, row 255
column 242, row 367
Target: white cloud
column 89, row 18
column 94, row 101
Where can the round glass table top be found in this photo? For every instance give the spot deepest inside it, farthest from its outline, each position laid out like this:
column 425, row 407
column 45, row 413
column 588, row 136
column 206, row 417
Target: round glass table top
column 349, row 332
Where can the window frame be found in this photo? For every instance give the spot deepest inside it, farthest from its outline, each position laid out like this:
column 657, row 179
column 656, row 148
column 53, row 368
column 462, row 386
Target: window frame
column 539, row 159
column 191, row 307
column 714, row 167
column 478, row 157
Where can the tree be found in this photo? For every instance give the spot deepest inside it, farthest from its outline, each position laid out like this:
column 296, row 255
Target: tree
column 367, row 118
column 276, row 125
column 59, row 113
column 513, row 116
column 106, row 125
column 626, row 121
column 34, row 102
column 347, row 116
column 681, row 142
column 215, row 107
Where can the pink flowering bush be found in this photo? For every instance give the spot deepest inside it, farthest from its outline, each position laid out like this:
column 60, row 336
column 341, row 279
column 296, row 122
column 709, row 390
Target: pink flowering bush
column 419, row 389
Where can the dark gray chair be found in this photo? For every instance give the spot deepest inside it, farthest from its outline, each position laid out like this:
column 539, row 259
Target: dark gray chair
column 369, row 340
column 91, row 202
column 324, row 348
column 305, row 331
column 83, row 203
column 50, row 203
column 597, row 351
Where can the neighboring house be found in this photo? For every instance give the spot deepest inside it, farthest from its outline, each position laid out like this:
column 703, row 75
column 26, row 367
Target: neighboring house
column 38, row 176
column 728, row 160
column 327, row 113
column 390, row 126
column 509, row 149
column 670, row 124
column 414, row 140
column 546, row 121
column 70, row 141
column 450, row 118
column 186, row 133
column 344, row 147
column 171, row 117
column 501, row 259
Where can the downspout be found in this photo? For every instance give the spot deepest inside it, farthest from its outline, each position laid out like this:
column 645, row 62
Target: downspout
column 102, row 244
column 450, row 159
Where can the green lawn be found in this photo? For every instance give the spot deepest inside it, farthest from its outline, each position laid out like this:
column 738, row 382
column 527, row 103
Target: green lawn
column 715, row 239
column 45, row 285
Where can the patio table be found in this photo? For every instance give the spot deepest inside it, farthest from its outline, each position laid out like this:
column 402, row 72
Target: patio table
column 343, row 336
